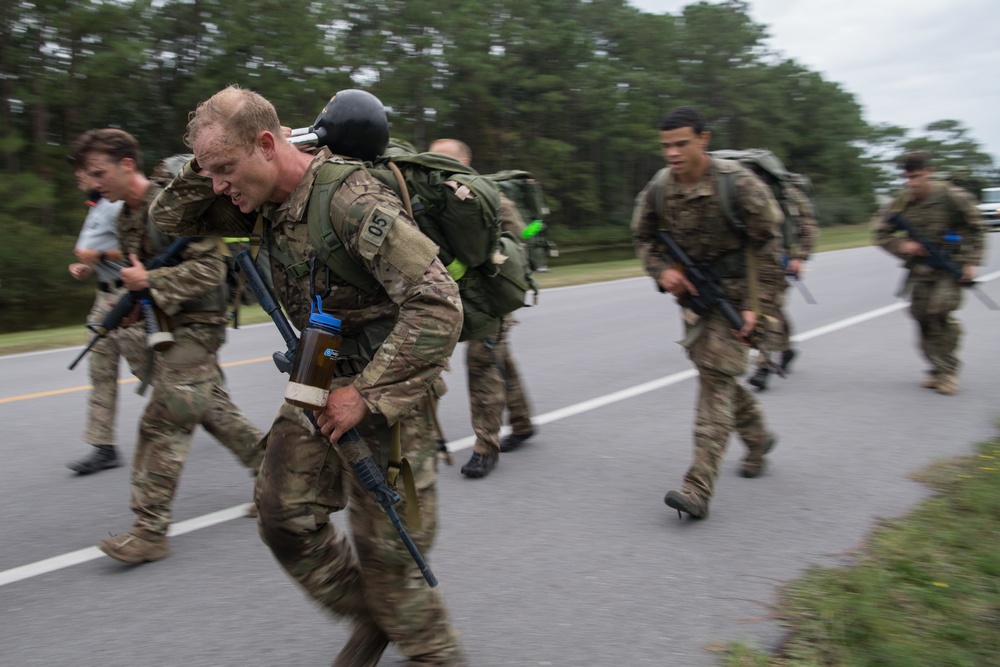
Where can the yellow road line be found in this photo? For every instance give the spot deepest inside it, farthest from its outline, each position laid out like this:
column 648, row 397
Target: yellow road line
column 86, row 387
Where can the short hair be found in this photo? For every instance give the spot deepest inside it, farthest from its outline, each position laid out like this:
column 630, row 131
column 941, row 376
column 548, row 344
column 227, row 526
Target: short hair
column 453, row 147
column 244, row 113
column 915, row 161
column 116, row 144
column 683, row 117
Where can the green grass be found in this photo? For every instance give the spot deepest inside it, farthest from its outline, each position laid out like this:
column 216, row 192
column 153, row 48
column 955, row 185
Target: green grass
column 923, row 592
column 832, row 238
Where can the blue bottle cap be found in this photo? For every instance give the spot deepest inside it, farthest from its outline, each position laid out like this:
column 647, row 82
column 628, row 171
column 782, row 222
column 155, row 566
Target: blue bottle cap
column 324, row 320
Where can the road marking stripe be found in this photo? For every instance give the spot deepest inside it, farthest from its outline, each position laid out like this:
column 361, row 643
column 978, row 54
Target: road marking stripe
column 84, row 555
column 87, row 387
column 93, row 553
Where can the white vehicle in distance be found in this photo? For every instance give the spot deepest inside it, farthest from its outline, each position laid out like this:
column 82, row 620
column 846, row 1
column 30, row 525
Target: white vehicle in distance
column 989, row 207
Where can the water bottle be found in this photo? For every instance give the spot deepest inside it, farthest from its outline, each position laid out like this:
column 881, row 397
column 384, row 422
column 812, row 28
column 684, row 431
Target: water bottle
column 315, row 362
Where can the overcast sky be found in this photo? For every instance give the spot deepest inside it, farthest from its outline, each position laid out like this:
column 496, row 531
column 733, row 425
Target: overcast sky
column 907, row 62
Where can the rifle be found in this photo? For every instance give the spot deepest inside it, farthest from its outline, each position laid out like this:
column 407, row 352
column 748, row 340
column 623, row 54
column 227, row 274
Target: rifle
column 127, row 303
column 794, row 278
column 351, row 445
column 938, row 259
column 710, row 294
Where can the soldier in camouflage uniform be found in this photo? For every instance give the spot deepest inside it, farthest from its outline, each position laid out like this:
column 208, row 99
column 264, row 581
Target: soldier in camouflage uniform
column 936, row 209
column 690, row 212
column 803, row 217
column 494, row 382
column 188, row 386
column 98, row 253
column 397, row 340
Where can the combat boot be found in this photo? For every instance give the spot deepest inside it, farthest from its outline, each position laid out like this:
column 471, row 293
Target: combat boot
column 480, row 465
column 451, row 658
column 685, row 501
column 101, row 458
column 364, row 648
column 930, row 382
column 753, row 464
column 947, row 384
column 759, row 378
column 786, row 359
column 133, row 549
column 511, row 442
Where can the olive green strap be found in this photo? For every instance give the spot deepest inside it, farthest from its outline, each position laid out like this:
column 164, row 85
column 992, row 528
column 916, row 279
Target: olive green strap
column 398, row 466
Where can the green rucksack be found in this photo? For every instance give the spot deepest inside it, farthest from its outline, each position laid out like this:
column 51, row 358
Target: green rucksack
column 769, row 169
column 522, row 188
column 456, row 208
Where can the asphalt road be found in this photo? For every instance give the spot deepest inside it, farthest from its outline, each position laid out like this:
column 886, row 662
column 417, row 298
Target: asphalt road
column 566, row 554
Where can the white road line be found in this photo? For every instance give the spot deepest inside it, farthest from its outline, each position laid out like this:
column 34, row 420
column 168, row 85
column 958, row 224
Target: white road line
column 92, row 553
column 84, row 555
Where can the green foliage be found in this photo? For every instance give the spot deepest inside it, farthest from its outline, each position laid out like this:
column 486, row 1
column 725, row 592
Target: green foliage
column 570, row 90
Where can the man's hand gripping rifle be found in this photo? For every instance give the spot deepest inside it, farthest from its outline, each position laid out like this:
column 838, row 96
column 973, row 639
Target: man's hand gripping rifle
column 710, row 294
column 127, row 303
column 356, row 452
column 939, row 259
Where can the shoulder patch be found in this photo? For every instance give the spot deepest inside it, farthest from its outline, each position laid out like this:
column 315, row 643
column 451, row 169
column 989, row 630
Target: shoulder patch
column 376, row 226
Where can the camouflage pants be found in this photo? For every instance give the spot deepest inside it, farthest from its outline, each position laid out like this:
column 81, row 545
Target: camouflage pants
column 494, row 384
column 102, row 367
column 724, row 404
column 779, row 327
column 931, row 306
column 374, row 581
column 188, row 390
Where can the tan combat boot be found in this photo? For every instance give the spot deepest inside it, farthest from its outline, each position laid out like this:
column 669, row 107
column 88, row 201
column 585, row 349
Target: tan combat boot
column 364, row 648
column 132, row 549
column 753, row 464
column 685, row 501
column 930, row 382
column 947, row 384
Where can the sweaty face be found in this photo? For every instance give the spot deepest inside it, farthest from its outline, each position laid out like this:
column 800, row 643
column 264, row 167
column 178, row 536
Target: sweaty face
column 239, row 172
column 110, row 178
column 684, row 150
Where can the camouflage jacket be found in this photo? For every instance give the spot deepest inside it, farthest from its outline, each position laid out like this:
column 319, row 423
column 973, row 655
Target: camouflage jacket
column 806, row 225
column 191, row 291
column 418, row 297
column 946, row 208
column 693, row 217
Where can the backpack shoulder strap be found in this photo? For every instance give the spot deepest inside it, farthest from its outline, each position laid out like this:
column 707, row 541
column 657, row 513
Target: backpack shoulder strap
column 659, row 182
column 726, row 192
column 323, row 234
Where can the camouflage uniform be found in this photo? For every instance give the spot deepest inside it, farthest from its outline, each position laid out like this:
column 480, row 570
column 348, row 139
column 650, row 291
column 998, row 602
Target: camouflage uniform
column 494, row 382
column 693, row 218
column 303, row 479
column 803, row 215
column 99, row 232
column 188, row 385
column 935, row 293
column 127, row 342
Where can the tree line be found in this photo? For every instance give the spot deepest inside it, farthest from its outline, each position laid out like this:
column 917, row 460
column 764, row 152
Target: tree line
column 568, row 89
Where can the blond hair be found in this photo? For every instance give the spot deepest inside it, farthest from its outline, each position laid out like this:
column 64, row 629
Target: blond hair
column 243, row 113
column 453, row 148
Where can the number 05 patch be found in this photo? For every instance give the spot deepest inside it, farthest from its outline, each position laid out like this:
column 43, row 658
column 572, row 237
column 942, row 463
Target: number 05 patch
column 378, row 223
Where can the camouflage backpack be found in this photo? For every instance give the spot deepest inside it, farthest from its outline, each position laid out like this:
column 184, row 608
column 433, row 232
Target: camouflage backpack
column 772, row 172
column 455, row 207
column 522, row 188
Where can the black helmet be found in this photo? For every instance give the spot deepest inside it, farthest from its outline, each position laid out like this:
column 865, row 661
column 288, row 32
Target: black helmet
column 353, row 124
